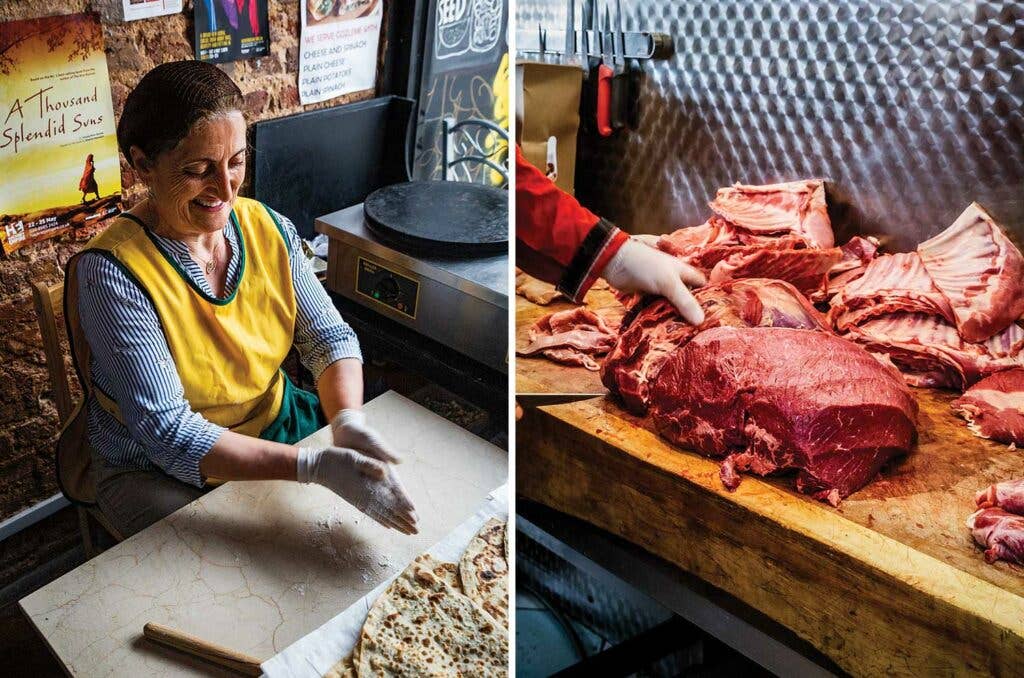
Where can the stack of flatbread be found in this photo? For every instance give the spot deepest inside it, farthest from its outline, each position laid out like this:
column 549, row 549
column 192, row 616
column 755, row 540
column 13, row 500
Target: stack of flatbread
column 440, row 619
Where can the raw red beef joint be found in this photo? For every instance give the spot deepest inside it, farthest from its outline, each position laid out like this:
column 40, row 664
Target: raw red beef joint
column 657, row 330
column 1008, row 495
column 994, row 407
column 1000, row 533
column 774, row 399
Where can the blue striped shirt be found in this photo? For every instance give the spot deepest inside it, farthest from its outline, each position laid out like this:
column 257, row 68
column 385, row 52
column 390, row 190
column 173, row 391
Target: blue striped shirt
column 132, row 363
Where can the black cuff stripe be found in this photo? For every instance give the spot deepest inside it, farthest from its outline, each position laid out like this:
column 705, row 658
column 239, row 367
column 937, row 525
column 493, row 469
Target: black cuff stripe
column 590, row 249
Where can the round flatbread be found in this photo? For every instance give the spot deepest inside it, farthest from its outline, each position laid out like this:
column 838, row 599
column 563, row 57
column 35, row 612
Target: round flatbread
column 484, row 570
column 345, row 668
column 449, row 574
column 422, row 626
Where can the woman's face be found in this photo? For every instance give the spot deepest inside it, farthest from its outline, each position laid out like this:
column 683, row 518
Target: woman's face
column 194, row 185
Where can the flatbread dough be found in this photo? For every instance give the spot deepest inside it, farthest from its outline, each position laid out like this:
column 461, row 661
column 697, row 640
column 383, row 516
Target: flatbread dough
column 484, row 570
column 422, row 626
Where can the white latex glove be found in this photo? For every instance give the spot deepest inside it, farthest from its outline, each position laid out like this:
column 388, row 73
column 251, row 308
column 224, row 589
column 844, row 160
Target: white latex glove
column 368, row 484
column 636, row 267
column 350, row 430
column 648, row 239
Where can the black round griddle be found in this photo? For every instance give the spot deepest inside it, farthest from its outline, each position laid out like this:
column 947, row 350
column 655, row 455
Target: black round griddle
column 449, row 218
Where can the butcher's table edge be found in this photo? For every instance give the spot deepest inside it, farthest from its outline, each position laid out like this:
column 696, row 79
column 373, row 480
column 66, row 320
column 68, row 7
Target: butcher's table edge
column 871, row 603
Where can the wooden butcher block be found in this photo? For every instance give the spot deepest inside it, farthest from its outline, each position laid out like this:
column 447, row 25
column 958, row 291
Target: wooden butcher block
column 890, row 582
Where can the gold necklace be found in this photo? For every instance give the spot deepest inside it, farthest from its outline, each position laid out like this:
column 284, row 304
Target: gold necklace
column 208, row 266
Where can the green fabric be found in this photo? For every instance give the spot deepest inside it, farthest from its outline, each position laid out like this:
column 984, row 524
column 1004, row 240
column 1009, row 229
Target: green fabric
column 300, row 416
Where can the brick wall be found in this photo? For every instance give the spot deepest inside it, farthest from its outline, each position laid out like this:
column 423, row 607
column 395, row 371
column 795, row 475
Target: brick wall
column 28, row 418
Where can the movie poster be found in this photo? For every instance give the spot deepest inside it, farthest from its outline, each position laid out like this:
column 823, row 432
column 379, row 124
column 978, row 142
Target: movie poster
column 229, row 30
column 143, row 9
column 58, row 147
column 338, row 47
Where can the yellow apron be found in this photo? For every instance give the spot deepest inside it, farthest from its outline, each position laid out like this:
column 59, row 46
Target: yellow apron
column 228, row 352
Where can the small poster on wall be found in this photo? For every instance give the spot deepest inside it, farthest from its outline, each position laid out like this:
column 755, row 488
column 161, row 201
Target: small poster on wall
column 143, row 9
column 58, row 148
column 338, row 47
column 229, row 30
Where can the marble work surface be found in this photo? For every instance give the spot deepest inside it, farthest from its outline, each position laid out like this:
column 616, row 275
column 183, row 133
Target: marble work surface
column 255, row 566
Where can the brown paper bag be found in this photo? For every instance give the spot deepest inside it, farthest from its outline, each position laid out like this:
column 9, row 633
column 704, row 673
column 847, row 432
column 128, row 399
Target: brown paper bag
column 548, row 118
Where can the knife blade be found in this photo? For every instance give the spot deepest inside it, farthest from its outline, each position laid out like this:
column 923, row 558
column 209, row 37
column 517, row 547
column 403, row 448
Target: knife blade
column 569, row 56
column 620, row 80
column 588, row 95
column 585, row 39
column 633, row 71
column 541, row 399
column 622, row 31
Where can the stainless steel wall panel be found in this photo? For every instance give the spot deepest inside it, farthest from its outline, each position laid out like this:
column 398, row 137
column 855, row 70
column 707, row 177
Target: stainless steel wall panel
column 910, row 109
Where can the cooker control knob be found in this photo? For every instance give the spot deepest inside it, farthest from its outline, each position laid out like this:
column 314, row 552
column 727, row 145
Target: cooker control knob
column 389, row 289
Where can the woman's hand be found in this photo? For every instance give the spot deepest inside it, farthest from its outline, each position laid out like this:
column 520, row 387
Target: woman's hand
column 350, row 429
column 370, row 485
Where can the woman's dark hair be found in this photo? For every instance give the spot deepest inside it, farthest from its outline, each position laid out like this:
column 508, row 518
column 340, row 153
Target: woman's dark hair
column 168, row 100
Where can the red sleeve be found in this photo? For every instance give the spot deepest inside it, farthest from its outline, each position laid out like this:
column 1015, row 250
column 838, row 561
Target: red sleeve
column 557, row 239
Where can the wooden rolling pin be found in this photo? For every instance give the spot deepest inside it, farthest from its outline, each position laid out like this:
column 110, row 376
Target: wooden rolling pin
column 222, row 656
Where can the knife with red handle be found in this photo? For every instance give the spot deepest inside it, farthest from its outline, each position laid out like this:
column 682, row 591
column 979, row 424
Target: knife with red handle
column 604, row 100
column 605, row 73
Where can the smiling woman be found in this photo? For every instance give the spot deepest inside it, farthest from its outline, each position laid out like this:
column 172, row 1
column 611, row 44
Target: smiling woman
column 180, row 315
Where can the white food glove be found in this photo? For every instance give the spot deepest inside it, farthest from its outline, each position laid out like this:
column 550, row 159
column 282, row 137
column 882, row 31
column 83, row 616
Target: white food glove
column 350, row 429
column 637, row 267
column 648, row 239
column 370, row 485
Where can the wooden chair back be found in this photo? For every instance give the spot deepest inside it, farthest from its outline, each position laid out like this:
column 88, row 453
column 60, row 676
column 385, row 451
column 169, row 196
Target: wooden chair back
column 49, row 303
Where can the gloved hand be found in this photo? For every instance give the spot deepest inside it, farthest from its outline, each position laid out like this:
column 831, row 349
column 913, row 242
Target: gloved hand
column 350, row 430
column 637, row 267
column 368, row 484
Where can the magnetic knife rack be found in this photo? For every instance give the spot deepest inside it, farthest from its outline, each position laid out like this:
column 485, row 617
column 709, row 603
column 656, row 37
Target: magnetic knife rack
column 638, row 45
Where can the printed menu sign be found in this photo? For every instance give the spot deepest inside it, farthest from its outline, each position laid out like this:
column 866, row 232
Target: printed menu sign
column 58, row 148
column 143, row 9
column 338, row 48
column 229, row 30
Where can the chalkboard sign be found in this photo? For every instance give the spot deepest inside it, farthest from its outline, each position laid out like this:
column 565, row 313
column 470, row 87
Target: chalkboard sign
column 465, row 74
column 467, row 34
